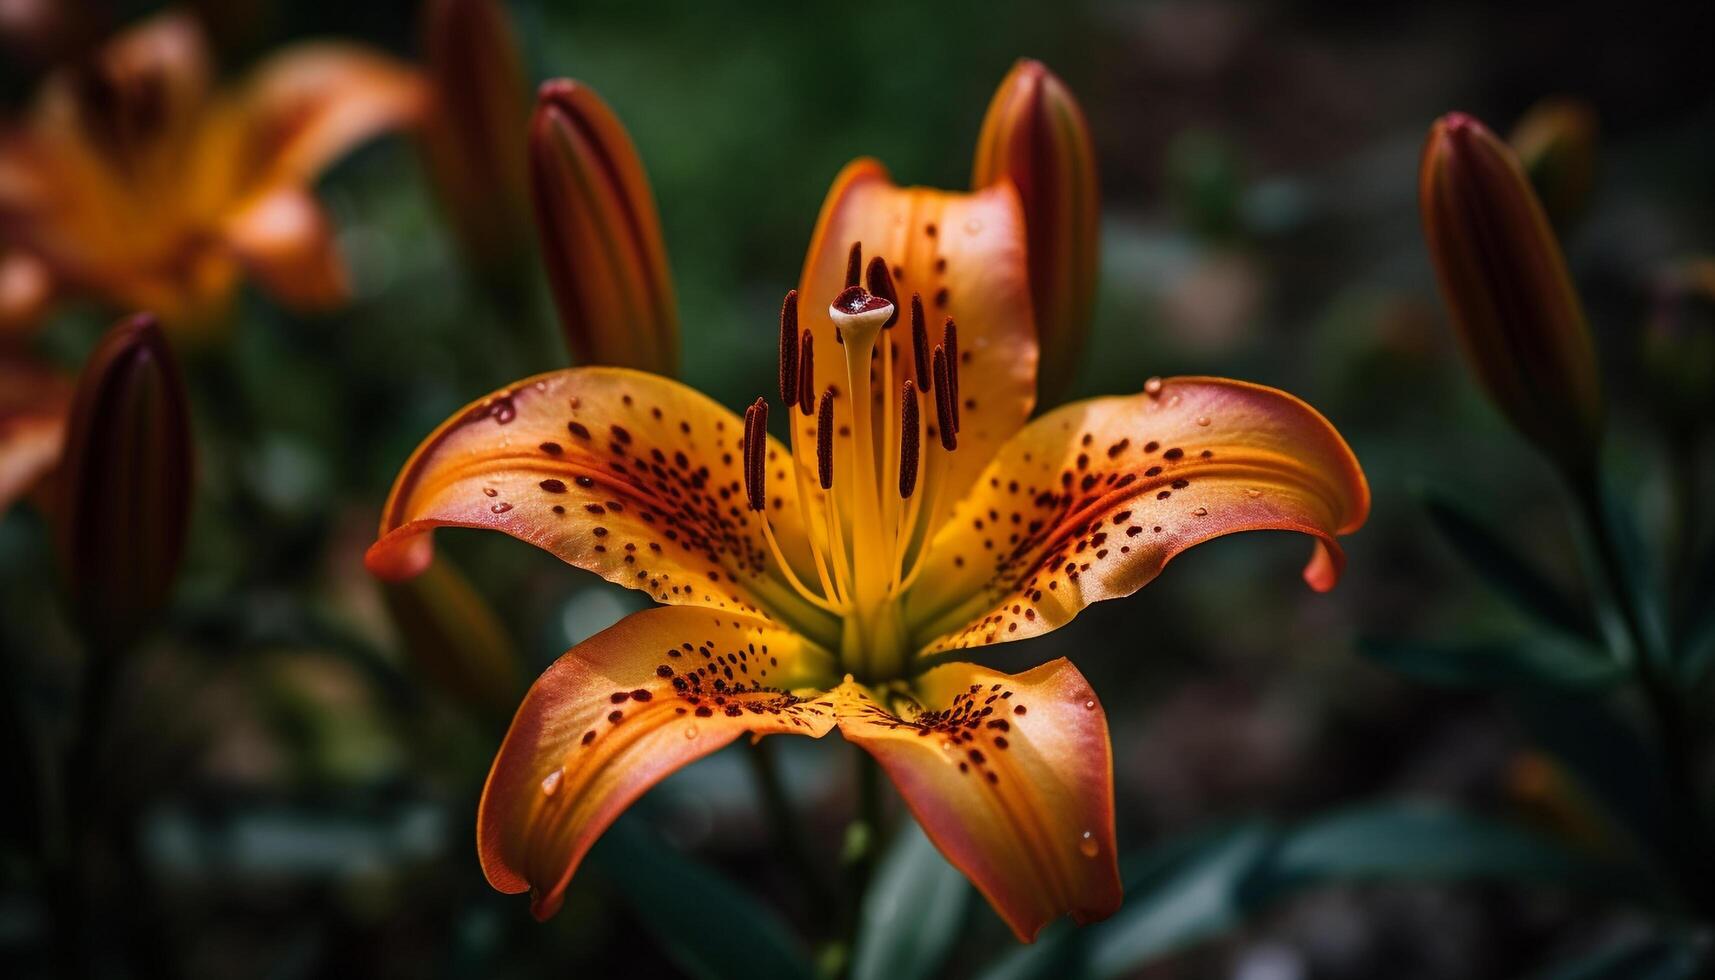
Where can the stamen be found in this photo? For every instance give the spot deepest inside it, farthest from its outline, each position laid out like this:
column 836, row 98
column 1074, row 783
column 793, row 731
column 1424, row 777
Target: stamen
column 755, row 447
column 854, row 265
column 920, row 342
column 909, row 441
column 880, row 282
column 806, row 373
column 825, row 440
column 944, row 418
column 950, row 340
column 789, row 348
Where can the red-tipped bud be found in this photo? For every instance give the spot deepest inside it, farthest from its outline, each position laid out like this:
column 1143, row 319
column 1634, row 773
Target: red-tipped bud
column 474, row 137
column 1506, row 287
column 124, row 486
column 1556, row 144
column 1035, row 135
column 454, row 638
column 910, row 440
column 601, row 238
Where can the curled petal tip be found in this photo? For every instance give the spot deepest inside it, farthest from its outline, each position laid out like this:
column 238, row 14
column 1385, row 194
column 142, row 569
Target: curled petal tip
column 600, row 235
column 1035, row 136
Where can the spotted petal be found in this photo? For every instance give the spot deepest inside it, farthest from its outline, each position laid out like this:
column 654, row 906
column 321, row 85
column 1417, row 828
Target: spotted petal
column 964, row 254
column 1011, row 776
column 630, row 475
column 621, row 711
column 1090, row 502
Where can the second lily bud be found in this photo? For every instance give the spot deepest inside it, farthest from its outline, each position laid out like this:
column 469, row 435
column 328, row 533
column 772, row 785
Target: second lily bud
column 1505, row 283
column 123, row 499
column 600, row 235
column 1035, row 135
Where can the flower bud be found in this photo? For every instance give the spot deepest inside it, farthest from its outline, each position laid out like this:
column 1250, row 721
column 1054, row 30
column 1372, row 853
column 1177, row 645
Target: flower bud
column 1035, row 135
column 123, row 493
column 600, row 236
column 1556, row 145
column 1502, row 276
column 1679, row 341
column 474, row 136
column 453, row 637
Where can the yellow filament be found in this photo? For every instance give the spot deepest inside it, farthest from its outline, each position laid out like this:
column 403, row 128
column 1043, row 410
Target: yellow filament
column 791, row 576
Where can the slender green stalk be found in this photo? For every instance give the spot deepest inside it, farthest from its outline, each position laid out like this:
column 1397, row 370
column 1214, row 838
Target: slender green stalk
column 863, row 845
column 1666, row 706
column 788, row 830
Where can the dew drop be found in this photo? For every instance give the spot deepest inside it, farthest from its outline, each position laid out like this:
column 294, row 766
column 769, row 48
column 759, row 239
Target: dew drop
column 1090, row 705
column 1201, row 512
column 1173, row 401
column 690, row 731
column 1087, row 845
column 973, row 225
column 551, row 782
column 501, row 507
column 1152, row 387
column 1202, row 420
column 490, row 492
column 1252, row 492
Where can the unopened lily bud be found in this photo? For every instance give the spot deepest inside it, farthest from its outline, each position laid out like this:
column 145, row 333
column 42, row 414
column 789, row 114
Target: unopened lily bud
column 454, row 638
column 123, row 497
column 1502, row 276
column 1556, row 144
column 1035, row 135
column 1679, row 340
column 475, row 134
column 601, row 238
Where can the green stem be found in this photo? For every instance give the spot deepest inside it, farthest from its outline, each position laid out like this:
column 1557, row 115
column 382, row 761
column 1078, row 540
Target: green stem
column 1666, row 707
column 788, row 832
column 863, row 844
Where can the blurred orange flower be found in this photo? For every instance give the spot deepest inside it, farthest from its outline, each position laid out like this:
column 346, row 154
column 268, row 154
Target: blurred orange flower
column 131, row 180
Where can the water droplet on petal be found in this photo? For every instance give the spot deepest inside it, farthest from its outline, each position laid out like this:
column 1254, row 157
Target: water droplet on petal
column 1201, row 512
column 1252, row 492
column 490, row 492
column 973, row 225
column 1202, row 420
column 551, row 782
column 501, row 507
column 1090, row 705
column 1087, row 845
column 690, row 731
column 1152, row 387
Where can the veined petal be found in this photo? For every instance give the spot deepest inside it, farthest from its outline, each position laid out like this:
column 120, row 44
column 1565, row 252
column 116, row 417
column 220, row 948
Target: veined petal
column 1090, row 501
column 34, row 405
column 964, row 254
column 635, row 477
column 314, row 102
column 1011, row 776
column 286, row 241
column 617, row 714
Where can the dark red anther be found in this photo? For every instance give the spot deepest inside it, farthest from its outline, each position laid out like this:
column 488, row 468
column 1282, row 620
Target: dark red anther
column 920, row 342
column 950, row 340
column 789, row 348
column 880, row 283
column 944, row 409
column 825, row 440
column 806, row 373
column 755, row 451
column 854, row 265
column 910, row 437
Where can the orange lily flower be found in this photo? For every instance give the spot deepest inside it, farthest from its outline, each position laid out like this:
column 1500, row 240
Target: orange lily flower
column 133, row 182
column 834, row 581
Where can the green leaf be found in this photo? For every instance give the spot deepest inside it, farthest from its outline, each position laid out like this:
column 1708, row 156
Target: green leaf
column 709, row 927
column 1525, row 664
column 911, row 913
column 1504, row 569
column 1647, row 958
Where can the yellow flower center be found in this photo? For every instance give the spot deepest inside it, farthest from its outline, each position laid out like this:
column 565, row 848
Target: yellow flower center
column 869, row 531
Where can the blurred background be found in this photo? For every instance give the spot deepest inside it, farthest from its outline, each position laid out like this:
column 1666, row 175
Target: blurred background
column 306, row 790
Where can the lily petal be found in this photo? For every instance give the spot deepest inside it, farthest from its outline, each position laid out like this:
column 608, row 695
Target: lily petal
column 964, row 254
column 1091, row 501
column 621, row 711
column 632, row 476
column 1011, row 776
column 286, row 241
column 311, row 104
column 35, row 403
